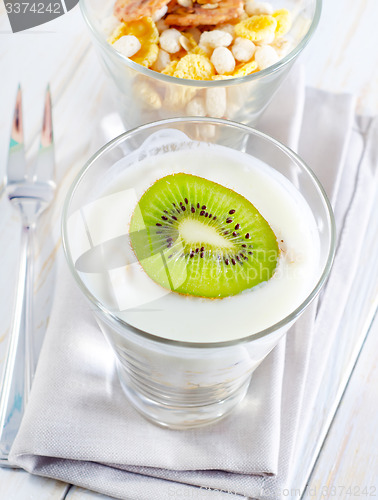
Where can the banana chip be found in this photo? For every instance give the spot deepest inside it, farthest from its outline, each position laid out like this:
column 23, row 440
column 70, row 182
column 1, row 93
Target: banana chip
column 187, row 42
column 191, row 46
column 209, row 14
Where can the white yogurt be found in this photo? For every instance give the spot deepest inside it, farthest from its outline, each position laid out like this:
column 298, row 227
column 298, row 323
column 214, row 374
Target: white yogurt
column 136, row 299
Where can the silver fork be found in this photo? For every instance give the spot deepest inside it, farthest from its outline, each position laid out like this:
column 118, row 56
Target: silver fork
column 30, row 191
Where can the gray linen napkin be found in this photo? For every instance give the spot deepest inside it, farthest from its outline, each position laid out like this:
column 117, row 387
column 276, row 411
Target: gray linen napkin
column 80, row 428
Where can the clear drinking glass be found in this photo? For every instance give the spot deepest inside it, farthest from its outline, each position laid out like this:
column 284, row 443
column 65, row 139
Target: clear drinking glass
column 143, row 95
column 177, row 383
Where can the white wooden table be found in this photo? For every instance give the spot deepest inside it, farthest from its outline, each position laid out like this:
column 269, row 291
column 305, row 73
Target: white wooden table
column 342, row 57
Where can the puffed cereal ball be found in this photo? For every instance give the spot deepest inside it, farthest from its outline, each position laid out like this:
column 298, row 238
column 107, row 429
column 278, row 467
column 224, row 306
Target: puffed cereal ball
column 148, row 95
column 162, row 61
column 215, row 38
column 282, row 47
column 196, row 107
column 269, row 38
column 223, row 60
column 206, row 132
column 157, row 15
column 216, row 102
column 243, row 49
column 228, row 28
column 128, row 45
column 170, row 40
column 253, row 8
column 109, row 24
column 265, row 56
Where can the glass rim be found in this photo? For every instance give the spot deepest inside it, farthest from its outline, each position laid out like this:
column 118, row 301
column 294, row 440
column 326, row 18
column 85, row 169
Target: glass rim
column 201, row 345
column 206, row 83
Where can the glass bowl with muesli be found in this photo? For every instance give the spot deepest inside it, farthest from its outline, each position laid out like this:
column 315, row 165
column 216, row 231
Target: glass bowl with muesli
column 216, row 58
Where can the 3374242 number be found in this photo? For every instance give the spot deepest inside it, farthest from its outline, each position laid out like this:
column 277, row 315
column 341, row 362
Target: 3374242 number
column 34, row 8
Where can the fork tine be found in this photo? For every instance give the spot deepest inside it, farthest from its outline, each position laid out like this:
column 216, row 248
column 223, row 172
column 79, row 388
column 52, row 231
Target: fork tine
column 17, row 125
column 47, row 128
column 45, row 164
column 16, row 167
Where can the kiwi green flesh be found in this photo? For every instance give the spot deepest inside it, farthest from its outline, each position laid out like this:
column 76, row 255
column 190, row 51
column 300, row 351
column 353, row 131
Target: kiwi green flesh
column 196, row 237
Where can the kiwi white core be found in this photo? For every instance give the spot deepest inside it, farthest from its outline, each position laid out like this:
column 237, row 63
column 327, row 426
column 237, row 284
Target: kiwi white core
column 194, row 231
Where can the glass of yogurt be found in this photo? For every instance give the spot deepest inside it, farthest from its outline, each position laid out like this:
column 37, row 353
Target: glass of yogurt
column 143, row 95
column 186, row 360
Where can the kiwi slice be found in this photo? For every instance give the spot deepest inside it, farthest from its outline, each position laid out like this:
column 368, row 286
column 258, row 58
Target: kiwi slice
column 196, row 237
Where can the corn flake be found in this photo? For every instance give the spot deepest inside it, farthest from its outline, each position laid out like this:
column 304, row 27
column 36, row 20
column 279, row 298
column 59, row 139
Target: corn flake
column 200, row 52
column 147, row 33
column 146, row 55
column 257, row 28
column 144, row 29
column 222, row 77
column 117, row 33
column 194, row 67
column 284, row 22
column 245, row 69
column 170, row 69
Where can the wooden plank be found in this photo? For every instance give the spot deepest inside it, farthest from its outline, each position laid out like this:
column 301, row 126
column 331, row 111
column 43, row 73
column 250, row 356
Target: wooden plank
column 341, row 56
column 36, row 60
column 17, row 484
column 348, row 464
column 70, row 89
column 344, row 355
column 40, row 58
column 77, row 493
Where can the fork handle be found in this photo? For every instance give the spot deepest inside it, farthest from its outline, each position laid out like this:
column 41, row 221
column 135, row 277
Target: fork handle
column 19, row 364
